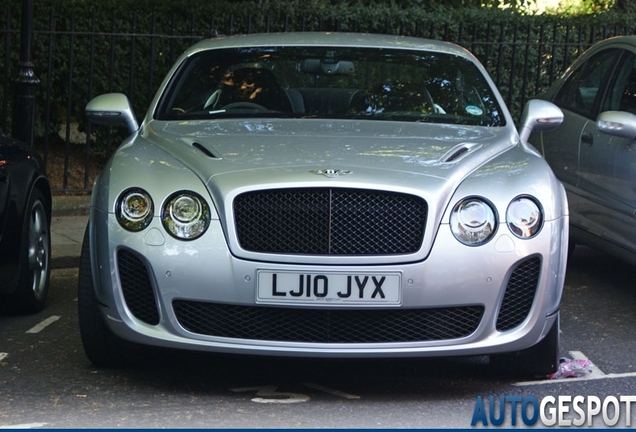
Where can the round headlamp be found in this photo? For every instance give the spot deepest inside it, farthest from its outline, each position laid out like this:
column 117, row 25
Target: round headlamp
column 473, row 221
column 134, row 209
column 524, row 217
column 186, row 215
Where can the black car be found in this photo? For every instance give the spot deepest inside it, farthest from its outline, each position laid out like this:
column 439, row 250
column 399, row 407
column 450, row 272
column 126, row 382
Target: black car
column 25, row 221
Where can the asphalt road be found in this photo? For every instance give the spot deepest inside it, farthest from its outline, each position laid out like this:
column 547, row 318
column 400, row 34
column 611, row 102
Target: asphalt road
column 47, row 382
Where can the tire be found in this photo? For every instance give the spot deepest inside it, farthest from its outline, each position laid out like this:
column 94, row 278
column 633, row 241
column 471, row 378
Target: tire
column 35, row 257
column 539, row 360
column 102, row 347
column 571, row 248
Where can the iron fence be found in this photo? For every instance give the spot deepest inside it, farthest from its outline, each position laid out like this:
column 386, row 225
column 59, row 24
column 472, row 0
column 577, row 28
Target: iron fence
column 77, row 58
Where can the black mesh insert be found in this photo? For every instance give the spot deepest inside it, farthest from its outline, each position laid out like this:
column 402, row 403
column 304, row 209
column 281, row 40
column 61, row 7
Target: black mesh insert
column 327, row 325
column 137, row 288
column 326, row 221
column 519, row 295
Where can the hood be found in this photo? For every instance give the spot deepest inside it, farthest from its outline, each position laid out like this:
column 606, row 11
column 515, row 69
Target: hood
column 231, row 157
column 272, row 151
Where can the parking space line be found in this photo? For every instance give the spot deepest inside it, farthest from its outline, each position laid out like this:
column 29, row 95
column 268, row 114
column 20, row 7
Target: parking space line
column 561, row 380
column 596, row 374
column 24, row 426
column 330, row 391
column 270, row 394
column 38, row 328
column 3, row 356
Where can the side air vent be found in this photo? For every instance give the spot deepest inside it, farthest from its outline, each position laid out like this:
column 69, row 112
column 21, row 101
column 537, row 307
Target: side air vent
column 137, row 287
column 520, row 293
column 203, row 149
column 459, row 151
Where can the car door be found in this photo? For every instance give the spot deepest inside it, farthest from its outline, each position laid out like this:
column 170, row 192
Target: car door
column 607, row 165
column 579, row 98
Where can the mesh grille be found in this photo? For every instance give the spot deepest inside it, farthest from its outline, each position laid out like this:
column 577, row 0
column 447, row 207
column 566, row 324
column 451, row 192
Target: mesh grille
column 323, row 221
column 327, row 326
column 137, row 288
column 519, row 295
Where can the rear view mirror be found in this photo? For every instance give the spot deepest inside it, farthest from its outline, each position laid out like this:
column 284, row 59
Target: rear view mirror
column 617, row 123
column 328, row 66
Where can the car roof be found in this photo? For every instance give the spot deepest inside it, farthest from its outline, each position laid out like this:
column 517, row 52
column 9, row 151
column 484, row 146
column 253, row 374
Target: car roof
column 361, row 40
column 610, row 42
column 629, row 39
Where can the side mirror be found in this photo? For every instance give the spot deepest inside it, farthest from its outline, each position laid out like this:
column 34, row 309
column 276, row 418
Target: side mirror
column 539, row 116
column 617, row 123
column 112, row 109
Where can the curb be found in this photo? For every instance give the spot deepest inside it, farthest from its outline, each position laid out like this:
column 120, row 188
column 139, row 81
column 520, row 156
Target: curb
column 67, row 262
column 67, row 235
column 71, row 205
column 68, row 222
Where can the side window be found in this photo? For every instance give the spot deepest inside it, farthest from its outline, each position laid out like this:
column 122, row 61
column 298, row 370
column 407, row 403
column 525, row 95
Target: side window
column 582, row 88
column 622, row 92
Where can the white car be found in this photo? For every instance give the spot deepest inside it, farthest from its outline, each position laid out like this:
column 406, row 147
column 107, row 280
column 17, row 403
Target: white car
column 326, row 195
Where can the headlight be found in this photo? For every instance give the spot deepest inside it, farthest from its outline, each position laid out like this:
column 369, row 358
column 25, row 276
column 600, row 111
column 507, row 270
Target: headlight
column 134, row 209
column 473, row 221
column 185, row 215
column 524, row 217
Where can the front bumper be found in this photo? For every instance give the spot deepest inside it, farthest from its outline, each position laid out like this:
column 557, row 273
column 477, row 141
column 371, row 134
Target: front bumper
column 501, row 297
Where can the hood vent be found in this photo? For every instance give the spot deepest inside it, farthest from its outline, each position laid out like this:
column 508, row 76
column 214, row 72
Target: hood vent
column 204, row 150
column 458, row 152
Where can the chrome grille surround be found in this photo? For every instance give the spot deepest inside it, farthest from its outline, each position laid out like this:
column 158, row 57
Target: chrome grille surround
column 329, row 221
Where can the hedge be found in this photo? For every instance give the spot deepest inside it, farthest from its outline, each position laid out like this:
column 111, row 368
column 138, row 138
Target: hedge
column 82, row 48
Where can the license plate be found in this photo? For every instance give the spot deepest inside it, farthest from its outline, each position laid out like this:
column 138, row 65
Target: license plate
column 329, row 288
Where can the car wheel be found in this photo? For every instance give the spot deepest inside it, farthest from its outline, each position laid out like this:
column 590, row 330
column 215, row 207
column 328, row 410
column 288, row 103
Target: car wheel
column 102, row 347
column 35, row 256
column 539, row 360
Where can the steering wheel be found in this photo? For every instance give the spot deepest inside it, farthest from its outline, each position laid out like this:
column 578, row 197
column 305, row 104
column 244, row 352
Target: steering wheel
column 244, row 105
column 212, row 100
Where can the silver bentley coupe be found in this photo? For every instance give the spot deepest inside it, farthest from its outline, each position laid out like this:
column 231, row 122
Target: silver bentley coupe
column 326, row 195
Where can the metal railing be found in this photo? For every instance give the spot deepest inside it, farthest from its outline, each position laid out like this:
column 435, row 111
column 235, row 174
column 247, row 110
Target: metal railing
column 77, row 58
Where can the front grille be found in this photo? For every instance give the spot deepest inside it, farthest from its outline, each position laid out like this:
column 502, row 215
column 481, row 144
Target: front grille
column 137, row 288
column 326, row 221
column 519, row 295
column 327, row 325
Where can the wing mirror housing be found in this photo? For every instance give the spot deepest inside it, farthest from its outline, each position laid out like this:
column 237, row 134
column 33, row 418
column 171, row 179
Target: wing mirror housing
column 112, row 109
column 617, row 123
column 539, row 116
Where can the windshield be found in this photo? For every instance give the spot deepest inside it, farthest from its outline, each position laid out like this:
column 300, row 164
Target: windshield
column 334, row 83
